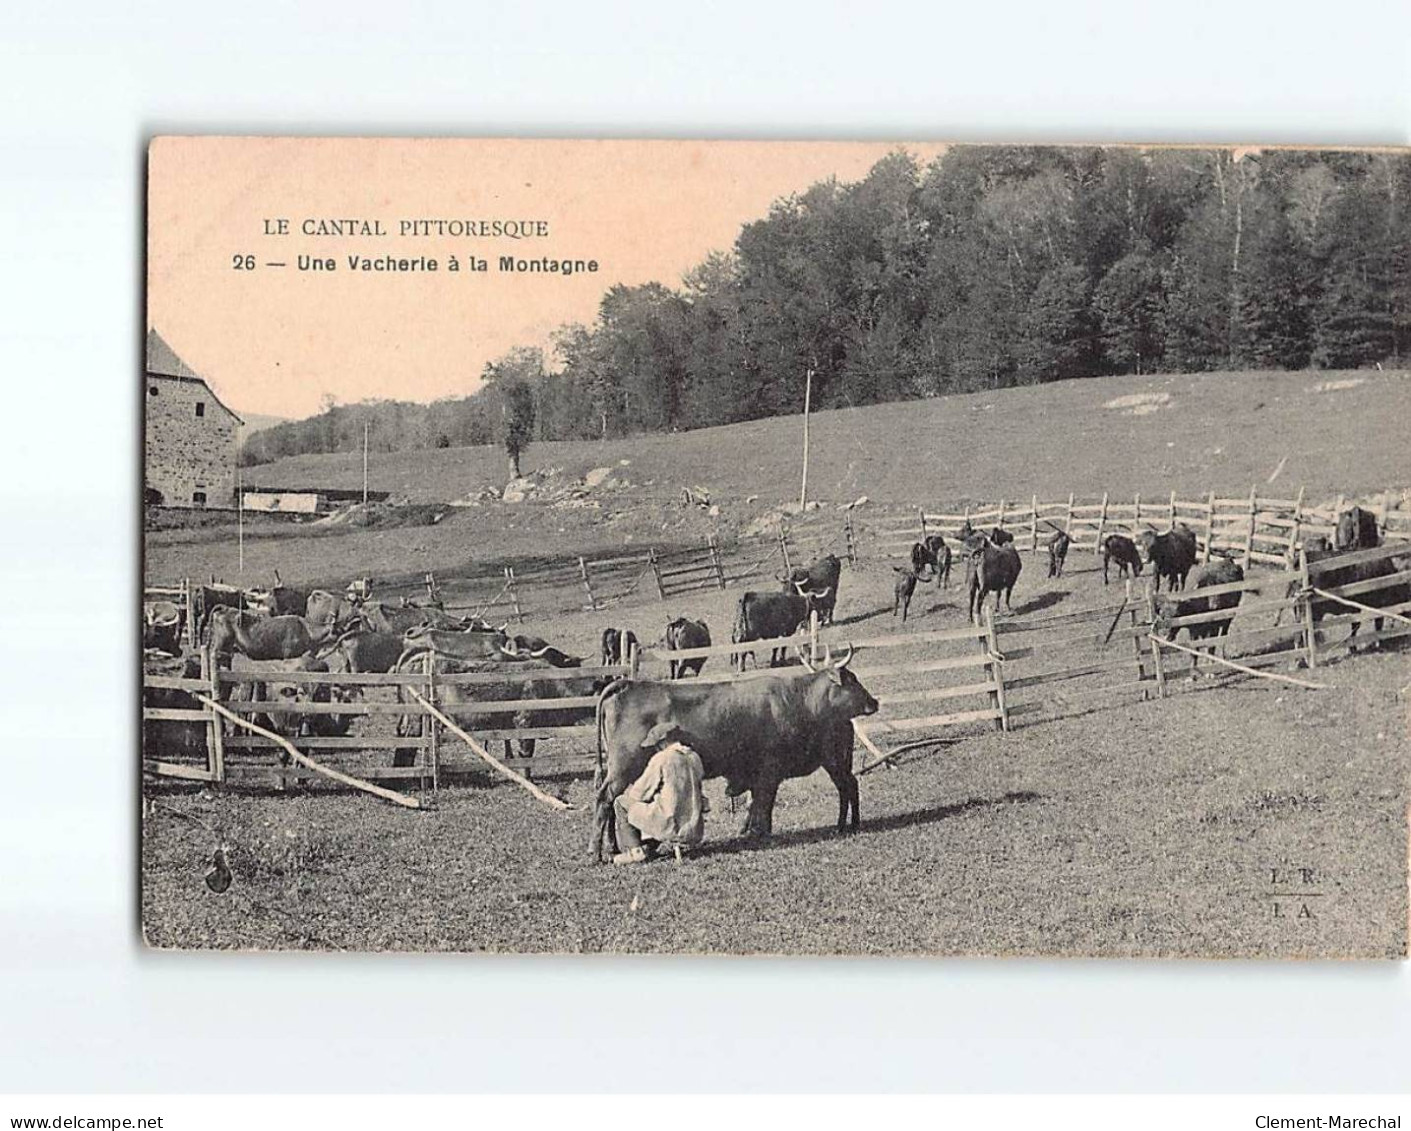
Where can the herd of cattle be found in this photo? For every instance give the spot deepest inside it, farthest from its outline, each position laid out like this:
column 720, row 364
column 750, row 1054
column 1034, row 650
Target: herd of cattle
column 754, row 733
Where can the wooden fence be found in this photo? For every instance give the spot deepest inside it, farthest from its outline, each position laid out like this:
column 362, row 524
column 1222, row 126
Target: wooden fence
column 1255, row 529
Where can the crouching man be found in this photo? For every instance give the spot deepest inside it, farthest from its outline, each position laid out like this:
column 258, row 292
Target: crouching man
column 665, row 806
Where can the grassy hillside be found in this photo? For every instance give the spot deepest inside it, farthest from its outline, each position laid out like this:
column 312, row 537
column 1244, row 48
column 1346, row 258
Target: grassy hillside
column 1336, row 431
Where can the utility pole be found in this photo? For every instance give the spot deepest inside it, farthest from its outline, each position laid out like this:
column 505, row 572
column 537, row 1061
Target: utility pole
column 365, row 423
column 240, row 516
column 807, row 402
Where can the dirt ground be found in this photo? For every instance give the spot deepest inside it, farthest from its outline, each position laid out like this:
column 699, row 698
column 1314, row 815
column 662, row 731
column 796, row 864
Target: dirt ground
column 1236, row 818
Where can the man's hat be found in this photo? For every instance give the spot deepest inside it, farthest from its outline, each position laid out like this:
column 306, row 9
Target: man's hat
column 664, row 732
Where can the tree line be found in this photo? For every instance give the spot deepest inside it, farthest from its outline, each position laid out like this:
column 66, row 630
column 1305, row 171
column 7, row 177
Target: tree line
column 988, row 268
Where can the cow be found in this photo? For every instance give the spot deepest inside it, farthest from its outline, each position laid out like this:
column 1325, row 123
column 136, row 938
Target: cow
column 1356, row 530
column 209, row 598
column 818, row 582
column 1122, row 550
column 933, row 555
column 283, row 601
column 1001, row 537
column 754, row 733
column 285, row 696
column 1058, row 544
column 1171, row 554
column 682, row 633
column 457, row 699
column 903, row 589
column 262, row 638
column 617, row 646
column 537, row 648
column 1222, row 571
column 382, row 617
column 363, row 650
column 1317, row 550
column 170, row 739
column 765, row 616
column 323, row 607
column 457, row 645
column 162, row 624
column 990, row 569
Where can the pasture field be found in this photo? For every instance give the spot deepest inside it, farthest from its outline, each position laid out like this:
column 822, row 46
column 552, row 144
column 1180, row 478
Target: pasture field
column 1327, row 432
column 1105, row 826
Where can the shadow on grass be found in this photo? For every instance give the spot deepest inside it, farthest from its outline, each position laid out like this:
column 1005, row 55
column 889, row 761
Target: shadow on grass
column 1041, row 602
column 927, row 816
column 858, row 618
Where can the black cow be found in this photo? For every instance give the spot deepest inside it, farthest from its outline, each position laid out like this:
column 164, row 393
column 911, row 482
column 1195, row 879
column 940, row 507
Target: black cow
column 765, row 616
column 1001, row 537
column 755, row 733
column 1222, row 571
column 931, row 556
column 1171, row 554
column 1357, row 530
column 362, row 650
column 1317, row 550
column 617, row 646
column 681, row 634
column 989, row 569
column 1122, row 550
column 1058, row 544
column 818, row 582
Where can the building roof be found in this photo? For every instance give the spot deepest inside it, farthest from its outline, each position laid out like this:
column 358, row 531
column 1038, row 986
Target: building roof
column 162, row 361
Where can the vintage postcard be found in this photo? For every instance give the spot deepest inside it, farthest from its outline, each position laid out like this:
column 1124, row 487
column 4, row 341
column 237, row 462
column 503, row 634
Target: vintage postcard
column 776, row 548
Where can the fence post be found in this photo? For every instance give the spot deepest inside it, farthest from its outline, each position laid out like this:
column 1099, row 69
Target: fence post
column 813, row 635
column 1156, row 659
column 999, row 521
column 921, row 514
column 1249, row 533
column 1136, row 637
column 656, row 572
column 1310, row 637
column 634, row 661
column 431, row 591
column 513, row 587
column 193, row 636
column 1034, row 525
column 1171, row 521
column 989, row 645
column 215, row 738
column 1101, row 522
column 784, row 548
column 1068, row 518
column 587, row 584
column 715, row 560
column 1136, row 513
column 433, row 728
column 1209, row 526
column 850, row 538
column 1291, row 553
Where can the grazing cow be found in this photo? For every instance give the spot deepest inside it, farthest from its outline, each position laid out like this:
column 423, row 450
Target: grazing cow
column 902, row 591
column 1122, row 550
column 1001, row 537
column 459, row 700
column 755, row 733
column 990, row 569
column 617, row 646
column 162, row 623
column 681, row 634
column 818, row 582
column 765, row 616
column 263, row 638
column 1222, row 571
column 1171, row 554
column 1058, row 544
column 1357, row 530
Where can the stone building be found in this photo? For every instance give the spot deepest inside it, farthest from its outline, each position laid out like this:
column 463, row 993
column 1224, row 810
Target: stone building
column 191, row 438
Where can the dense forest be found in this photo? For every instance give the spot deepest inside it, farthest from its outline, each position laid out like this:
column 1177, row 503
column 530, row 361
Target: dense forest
column 991, row 267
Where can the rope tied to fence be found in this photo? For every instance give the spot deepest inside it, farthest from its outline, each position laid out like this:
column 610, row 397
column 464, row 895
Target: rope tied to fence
column 1231, row 664
column 1354, row 604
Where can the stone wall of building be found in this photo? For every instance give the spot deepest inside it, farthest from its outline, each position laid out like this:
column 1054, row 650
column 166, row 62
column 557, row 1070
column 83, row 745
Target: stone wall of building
column 191, row 444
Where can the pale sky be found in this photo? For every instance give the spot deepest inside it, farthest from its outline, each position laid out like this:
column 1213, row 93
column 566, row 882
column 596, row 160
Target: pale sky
column 274, row 340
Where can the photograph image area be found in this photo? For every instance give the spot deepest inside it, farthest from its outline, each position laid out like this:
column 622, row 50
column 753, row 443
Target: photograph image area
column 782, row 548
